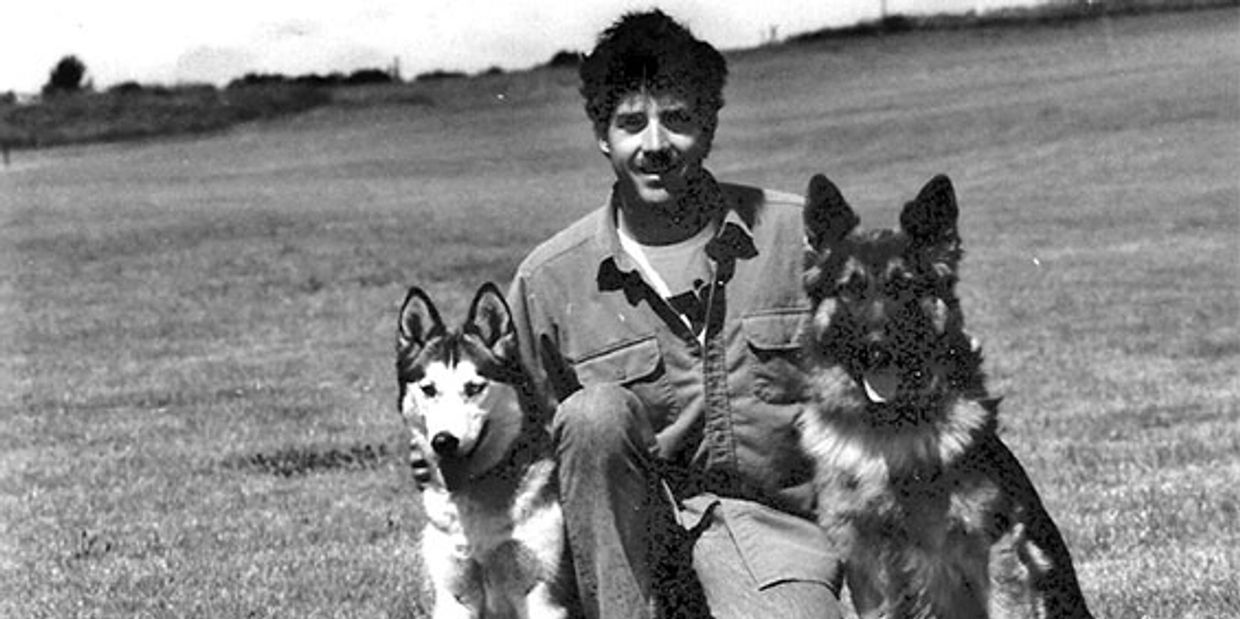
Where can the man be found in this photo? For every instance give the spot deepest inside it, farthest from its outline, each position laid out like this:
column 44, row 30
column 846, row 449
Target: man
column 663, row 328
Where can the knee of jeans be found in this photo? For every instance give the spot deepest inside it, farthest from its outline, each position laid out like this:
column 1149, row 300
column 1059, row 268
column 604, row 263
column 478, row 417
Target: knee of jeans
column 601, row 419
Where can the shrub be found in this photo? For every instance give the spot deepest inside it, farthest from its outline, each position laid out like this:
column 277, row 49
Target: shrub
column 257, row 79
column 323, row 81
column 439, row 74
column 368, row 76
column 565, row 58
column 126, row 88
column 66, row 77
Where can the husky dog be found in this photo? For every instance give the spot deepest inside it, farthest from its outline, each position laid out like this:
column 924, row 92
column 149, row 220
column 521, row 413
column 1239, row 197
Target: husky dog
column 494, row 542
column 933, row 515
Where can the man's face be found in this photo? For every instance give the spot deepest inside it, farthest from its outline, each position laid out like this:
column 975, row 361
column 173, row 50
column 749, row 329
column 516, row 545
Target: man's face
column 655, row 144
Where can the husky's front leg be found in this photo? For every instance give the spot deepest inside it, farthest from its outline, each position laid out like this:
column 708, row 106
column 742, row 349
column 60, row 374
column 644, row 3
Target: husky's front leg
column 447, row 606
column 456, row 579
column 539, row 603
column 457, row 588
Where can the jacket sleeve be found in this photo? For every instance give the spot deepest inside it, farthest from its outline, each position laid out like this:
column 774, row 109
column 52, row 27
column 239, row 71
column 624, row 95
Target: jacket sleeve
column 537, row 339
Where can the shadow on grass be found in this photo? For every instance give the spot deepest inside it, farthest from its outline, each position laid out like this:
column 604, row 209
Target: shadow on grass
column 304, row 460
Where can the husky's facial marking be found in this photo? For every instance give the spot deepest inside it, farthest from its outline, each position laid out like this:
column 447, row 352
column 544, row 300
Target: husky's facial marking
column 458, row 409
column 448, row 399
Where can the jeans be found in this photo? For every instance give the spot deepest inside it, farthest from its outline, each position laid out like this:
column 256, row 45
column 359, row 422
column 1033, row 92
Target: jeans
column 620, row 522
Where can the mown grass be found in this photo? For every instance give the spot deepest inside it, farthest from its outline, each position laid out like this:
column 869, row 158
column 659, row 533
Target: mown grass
column 198, row 414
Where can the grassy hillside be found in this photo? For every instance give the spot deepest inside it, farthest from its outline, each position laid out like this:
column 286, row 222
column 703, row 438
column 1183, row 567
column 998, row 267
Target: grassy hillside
column 197, row 412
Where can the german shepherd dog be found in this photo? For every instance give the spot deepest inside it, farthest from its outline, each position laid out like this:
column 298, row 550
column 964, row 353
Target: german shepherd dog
column 494, row 543
column 933, row 515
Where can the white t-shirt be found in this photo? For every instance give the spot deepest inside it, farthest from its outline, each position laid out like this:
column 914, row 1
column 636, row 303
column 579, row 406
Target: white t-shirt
column 672, row 269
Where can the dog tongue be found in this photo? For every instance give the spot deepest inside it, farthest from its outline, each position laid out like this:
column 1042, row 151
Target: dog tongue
column 881, row 385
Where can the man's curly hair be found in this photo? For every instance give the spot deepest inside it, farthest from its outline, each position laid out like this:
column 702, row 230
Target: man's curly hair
column 651, row 51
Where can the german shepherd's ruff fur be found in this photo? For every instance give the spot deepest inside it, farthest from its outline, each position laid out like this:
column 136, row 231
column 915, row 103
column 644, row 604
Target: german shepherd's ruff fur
column 493, row 545
column 934, row 516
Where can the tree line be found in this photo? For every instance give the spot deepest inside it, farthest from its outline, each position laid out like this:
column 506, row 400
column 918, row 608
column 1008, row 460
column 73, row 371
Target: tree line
column 69, row 76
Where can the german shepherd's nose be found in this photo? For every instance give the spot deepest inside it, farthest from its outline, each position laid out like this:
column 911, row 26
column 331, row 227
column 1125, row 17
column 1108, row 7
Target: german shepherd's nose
column 445, row 444
column 877, row 356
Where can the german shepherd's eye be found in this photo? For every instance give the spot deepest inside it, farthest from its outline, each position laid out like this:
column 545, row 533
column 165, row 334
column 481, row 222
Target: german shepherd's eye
column 473, row 389
column 902, row 284
column 853, row 286
column 429, row 390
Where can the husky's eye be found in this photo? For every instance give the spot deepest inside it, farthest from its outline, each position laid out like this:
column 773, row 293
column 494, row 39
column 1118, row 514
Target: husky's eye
column 429, row 390
column 474, row 388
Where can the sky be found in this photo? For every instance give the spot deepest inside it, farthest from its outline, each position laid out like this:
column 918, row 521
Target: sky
column 212, row 41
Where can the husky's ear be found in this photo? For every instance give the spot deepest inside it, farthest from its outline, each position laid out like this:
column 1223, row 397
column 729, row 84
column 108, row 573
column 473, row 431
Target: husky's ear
column 419, row 320
column 828, row 217
column 931, row 217
column 491, row 320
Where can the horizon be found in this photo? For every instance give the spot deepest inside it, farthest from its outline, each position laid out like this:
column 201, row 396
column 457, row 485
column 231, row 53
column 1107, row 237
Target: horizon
column 153, row 43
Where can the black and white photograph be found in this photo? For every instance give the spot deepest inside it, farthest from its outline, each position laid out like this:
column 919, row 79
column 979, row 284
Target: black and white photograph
column 619, row 309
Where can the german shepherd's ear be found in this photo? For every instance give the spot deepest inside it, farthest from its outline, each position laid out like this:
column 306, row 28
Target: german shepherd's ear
column 491, row 320
column 931, row 217
column 419, row 320
column 828, row 217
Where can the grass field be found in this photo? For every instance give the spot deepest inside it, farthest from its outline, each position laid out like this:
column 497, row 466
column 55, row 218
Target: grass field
column 197, row 415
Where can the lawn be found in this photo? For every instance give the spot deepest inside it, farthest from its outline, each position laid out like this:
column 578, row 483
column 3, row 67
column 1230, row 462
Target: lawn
column 198, row 413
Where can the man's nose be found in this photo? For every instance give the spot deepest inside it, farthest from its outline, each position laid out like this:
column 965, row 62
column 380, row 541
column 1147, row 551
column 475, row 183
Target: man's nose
column 654, row 137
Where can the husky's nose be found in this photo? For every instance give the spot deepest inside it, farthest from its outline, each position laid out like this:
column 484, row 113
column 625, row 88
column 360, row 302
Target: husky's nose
column 445, row 444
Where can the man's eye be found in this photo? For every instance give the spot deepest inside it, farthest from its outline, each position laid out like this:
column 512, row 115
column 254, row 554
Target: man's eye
column 429, row 390
column 680, row 121
column 631, row 123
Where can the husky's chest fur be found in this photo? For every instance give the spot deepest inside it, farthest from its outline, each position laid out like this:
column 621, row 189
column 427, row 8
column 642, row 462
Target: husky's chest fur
column 489, row 512
column 506, row 530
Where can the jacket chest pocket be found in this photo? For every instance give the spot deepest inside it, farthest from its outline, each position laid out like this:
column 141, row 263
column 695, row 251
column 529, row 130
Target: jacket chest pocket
column 637, row 366
column 774, row 347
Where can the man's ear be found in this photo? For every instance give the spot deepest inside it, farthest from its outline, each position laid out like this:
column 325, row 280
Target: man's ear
column 600, row 136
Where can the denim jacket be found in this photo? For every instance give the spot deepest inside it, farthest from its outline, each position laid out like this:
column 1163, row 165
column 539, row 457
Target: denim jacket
column 723, row 408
